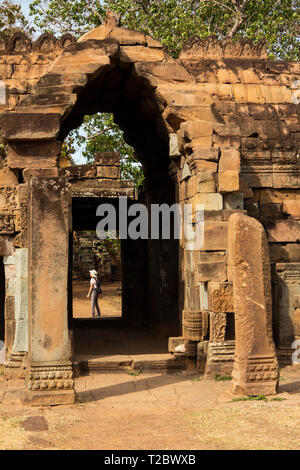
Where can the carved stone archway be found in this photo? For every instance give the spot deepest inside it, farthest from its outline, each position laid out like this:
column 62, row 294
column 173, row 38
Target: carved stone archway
column 220, row 122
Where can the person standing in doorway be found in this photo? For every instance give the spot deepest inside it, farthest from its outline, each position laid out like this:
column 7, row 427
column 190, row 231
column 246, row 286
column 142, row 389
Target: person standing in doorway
column 94, row 291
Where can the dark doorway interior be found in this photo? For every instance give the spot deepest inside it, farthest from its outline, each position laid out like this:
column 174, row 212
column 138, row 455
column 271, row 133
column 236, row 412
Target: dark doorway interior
column 149, row 295
column 92, row 253
column 148, row 277
column 150, row 268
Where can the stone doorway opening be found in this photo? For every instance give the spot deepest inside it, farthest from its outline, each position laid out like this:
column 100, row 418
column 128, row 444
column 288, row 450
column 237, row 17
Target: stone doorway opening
column 98, row 76
column 149, row 301
column 89, row 252
column 137, row 336
column 150, row 286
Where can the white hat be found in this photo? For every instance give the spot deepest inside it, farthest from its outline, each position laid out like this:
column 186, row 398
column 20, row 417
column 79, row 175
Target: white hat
column 93, row 273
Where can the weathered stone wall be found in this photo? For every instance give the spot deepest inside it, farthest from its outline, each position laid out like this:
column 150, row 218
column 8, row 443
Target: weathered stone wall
column 23, row 62
column 219, row 126
column 244, row 155
column 89, row 253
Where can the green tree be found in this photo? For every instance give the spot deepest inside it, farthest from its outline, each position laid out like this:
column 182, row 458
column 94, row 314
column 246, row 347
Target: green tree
column 174, row 21
column 99, row 133
column 12, row 18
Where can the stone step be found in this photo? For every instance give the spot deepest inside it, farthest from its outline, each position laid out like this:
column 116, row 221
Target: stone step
column 143, row 362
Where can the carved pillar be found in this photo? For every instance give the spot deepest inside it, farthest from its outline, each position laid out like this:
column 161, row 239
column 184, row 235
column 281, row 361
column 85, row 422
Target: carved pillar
column 21, row 301
column 49, row 375
column 255, row 370
column 15, row 364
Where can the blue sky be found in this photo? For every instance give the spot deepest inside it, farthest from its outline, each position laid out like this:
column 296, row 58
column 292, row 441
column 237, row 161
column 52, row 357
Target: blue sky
column 25, row 5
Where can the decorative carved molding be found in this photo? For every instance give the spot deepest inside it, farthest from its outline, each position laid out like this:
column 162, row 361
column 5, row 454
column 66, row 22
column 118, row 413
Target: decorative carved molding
column 221, row 351
column 262, row 369
column 45, row 43
column 50, row 377
column 195, row 325
column 8, row 198
column 220, row 356
column 6, row 222
column 66, row 40
column 20, row 43
column 288, row 271
column 212, row 48
column 218, row 327
column 3, row 41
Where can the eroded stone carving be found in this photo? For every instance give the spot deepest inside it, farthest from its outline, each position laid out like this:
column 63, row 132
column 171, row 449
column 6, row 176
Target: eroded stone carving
column 211, row 47
column 6, row 222
column 233, row 130
column 255, row 365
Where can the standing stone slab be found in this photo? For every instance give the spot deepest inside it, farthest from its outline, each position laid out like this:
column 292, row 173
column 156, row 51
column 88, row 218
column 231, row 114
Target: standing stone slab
column 10, row 277
column 21, row 301
column 255, row 369
column 49, row 378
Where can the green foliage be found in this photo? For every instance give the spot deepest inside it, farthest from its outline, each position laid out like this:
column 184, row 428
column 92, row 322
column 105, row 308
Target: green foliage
column 66, row 16
column 278, row 399
column 222, row 378
column 258, row 398
column 174, row 21
column 113, row 246
column 2, row 150
column 12, row 18
column 68, row 149
column 99, row 133
column 134, row 373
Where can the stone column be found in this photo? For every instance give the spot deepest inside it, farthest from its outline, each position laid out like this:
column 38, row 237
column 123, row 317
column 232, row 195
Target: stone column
column 15, row 365
column 10, row 280
column 21, row 301
column 255, row 370
column 49, row 375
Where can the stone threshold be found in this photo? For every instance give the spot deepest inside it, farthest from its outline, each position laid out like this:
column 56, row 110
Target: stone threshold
column 164, row 363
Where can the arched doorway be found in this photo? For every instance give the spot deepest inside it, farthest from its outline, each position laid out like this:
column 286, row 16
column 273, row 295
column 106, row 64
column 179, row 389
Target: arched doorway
column 94, row 75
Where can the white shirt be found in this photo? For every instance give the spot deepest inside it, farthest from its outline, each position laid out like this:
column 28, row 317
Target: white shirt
column 93, row 283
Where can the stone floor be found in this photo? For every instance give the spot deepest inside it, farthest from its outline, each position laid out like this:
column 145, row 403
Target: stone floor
column 156, row 411
column 123, row 348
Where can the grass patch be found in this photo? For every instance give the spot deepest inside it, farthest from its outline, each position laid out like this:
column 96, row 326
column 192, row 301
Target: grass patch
column 196, row 379
column 222, row 378
column 258, row 398
column 278, row 399
column 134, row 373
column 237, row 426
column 281, row 379
column 12, row 436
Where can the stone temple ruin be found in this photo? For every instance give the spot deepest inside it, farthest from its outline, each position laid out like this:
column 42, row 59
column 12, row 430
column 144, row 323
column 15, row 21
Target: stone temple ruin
column 218, row 126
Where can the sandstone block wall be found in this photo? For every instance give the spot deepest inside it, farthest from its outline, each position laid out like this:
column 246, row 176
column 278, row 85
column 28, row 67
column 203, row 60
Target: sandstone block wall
column 23, row 62
column 217, row 127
